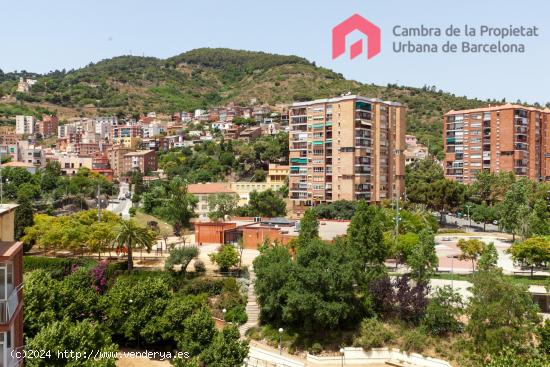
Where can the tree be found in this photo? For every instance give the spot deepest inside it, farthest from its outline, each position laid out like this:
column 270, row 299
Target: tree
column 264, row 204
column 365, row 237
column 130, row 234
column 181, row 256
column 198, row 332
column 131, row 307
column 339, row 209
column 514, row 210
column 40, row 301
column 23, row 218
column 178, row 206
column 445, row 195
column 221, row 205
column 423, row 259
column 402, row 247
column 484, row 214
column 226, row 349
column 101, row 237
column 511, row 358
column 443, row 312
column 419, row 177
column 309, row 227
column 85, row 337
column 226, row 257
column 471, row 250
column 539, row 219
column 501, row 313
column 532, row 252
column 489, row 257
column 273, row 268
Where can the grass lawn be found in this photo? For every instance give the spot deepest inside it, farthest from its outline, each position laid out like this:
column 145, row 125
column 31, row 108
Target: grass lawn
column 517, row 279
column 142, row 219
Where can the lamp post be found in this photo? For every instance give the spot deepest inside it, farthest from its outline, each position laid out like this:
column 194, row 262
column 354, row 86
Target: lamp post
column 223, row 313
column 280, row 340
column 468, row 206
column 342, row 355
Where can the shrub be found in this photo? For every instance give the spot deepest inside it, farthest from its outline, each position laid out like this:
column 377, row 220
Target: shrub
column 226, row 257
column 57, row 267
column 316, row 348
column 414, row 340
column 443, row 311
column 237, row 314
column 373, row 334
column 212, row 287
column 132, row 212
column 199, row 266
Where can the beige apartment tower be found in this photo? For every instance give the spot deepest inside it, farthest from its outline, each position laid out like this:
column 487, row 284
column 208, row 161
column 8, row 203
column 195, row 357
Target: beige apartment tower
column 346, row 148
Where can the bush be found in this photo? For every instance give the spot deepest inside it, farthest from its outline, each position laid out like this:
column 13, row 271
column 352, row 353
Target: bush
column 414, row 340
column 443, row 311
column 316, row 348
column 226, row 257
column 373, row 334
column 132, row 211
column 199, row 266
column 57, row 267
column 212, row 287
column 237, row 314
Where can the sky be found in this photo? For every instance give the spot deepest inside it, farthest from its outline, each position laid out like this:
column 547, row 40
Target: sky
column 44, row 35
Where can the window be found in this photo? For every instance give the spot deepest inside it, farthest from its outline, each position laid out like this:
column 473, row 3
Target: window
column 318, row 169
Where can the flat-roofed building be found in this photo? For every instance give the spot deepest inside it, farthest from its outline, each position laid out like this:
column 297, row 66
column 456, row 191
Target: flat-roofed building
column 345, row 148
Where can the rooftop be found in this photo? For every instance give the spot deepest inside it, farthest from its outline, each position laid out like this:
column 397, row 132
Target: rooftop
column 210, row 188
column 506, row 106
column 138, row 153
column 8, row 249
column 18, row 164
column 344, row 98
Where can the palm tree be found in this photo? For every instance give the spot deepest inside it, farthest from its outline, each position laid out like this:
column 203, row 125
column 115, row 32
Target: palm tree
column 129, row 233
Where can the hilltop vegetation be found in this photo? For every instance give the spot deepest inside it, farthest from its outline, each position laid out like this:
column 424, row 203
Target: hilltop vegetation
column 207, row 77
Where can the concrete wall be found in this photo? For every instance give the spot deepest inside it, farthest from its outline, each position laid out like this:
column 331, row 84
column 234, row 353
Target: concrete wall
column 358, row 357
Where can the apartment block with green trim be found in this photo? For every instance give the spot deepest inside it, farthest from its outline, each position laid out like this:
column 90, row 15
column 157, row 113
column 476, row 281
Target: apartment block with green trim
column 345, row 148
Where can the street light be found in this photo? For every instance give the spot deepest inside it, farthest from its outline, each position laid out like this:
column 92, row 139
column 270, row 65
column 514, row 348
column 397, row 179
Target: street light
column 342, row 354
column 468, row 206
column 280, row 340
column 223, row 312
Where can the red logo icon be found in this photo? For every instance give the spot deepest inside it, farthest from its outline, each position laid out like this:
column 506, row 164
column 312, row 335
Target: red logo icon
column 353, row 23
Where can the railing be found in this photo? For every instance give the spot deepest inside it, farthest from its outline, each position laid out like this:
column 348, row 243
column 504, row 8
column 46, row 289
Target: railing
column 8, row 307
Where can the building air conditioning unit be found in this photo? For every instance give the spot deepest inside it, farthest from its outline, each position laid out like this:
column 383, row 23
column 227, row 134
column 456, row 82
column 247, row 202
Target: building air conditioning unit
column 257, row 219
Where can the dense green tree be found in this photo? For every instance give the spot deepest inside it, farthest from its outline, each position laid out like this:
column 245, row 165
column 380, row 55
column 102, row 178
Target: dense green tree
column 85, row 337
column 443, row 312
column 514, row 209
column 501, row 313
column 178, row 205
column 445, row 195
column 539, row 219
column 130, row 305
column 23, row 218
column 484, row 214
column 273, row 268
column 423, row 259
column 419, row 178
column 309, row 227
column 198, row 332
column 264, row 204
column 339, row 209
column 40, row 301
column 488, row 258
column 226, row 349
column 365, row 238
column 532, row 252
column 511, row 358
column 221, row 205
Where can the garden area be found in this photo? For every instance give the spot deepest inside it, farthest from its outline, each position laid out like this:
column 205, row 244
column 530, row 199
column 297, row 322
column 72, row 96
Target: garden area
column 328, row 296
column 88, row 304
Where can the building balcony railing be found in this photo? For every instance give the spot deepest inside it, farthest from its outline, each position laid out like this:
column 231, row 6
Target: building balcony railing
column 8, row 307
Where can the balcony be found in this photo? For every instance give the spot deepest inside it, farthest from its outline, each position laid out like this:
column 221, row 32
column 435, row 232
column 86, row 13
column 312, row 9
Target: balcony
column 8, row 307
column 363, row 142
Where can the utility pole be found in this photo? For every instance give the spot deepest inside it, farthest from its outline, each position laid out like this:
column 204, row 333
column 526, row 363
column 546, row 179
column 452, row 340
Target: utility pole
column 98, row 202
column 1, row 183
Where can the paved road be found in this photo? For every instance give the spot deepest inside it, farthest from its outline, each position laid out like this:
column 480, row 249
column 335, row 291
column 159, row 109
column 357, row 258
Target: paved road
column 476, row 227
column 121, row 206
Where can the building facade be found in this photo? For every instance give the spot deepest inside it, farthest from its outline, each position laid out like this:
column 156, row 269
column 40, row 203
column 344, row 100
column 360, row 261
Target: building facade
column 345, row 148
column 48, row 126
column 507, row 138
column 11, row 290
column 25, row 125
column 144, row 161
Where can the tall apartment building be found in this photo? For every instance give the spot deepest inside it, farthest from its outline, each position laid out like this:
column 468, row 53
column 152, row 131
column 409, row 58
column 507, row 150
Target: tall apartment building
column 506, row 138
column 11, row 290
column 25, row 125
column 116, row 159
column 346, row 148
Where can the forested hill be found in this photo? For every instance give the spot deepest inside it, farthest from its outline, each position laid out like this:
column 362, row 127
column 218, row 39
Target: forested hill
column 208, row 77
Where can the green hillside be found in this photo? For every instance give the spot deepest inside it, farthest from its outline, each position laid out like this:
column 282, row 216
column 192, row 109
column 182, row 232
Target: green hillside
column 208, row 77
